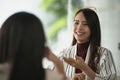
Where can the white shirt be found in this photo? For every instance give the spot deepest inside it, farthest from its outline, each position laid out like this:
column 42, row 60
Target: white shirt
column 106, row 66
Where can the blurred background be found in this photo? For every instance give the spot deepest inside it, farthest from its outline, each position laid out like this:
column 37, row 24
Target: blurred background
column 57, row 17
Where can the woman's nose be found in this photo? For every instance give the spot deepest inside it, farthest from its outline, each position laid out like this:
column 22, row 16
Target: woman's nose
column 80, row 26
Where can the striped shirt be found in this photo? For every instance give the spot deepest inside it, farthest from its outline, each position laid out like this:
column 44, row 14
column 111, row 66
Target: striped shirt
column 106, row 67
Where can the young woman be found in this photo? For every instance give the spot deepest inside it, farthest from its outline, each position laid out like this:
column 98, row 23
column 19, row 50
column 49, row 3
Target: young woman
column 86, row 59
column 22, row 48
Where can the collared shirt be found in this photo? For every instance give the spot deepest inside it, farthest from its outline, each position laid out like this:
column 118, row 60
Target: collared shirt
column 106, row 66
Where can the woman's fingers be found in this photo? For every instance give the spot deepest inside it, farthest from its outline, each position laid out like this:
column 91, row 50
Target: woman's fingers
column 77, row 63
column 70, row 61
column 76, row 77
column 73, row 62
column 79, row 58
column 79, row 76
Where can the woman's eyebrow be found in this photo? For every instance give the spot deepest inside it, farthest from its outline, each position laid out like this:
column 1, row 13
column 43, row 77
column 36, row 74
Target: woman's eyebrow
column 76, row 20
column 79, row 21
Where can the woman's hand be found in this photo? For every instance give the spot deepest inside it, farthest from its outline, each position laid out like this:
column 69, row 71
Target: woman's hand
column 80, row 64
column 58, row 63
column 77, row 63
column 79, row 76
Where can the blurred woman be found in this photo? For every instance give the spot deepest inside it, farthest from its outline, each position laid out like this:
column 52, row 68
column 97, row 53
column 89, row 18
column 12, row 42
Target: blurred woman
column 22, row 48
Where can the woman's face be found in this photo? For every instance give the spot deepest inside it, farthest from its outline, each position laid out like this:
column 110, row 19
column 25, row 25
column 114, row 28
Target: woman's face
column 81, row 31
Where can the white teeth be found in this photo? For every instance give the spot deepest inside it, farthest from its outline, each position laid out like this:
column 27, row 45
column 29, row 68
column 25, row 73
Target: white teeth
column 79, row 33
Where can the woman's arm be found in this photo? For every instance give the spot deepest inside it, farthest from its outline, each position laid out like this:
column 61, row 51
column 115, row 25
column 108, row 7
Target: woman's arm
column 80, row 64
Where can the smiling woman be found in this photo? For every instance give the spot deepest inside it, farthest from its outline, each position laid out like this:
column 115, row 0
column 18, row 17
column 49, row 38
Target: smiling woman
column 87, row 48
column 86, row 59
column 81, row 29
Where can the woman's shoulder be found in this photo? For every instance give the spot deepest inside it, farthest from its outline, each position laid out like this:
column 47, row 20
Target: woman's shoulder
column 103, row 49
column 104, row 52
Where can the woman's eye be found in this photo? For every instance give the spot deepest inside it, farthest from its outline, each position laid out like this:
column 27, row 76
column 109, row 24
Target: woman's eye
column 76, row 23
column 85, row 24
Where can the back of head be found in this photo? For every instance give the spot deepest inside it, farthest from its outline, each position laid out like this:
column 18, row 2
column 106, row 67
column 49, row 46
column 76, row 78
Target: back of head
column 22, row 43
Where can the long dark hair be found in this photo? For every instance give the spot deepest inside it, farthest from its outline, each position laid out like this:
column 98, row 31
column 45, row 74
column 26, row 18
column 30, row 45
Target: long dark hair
column 95, row 38
column 22, row 42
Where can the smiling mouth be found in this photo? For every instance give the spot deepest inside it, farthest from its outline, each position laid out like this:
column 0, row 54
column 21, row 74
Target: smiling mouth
column 79, row 33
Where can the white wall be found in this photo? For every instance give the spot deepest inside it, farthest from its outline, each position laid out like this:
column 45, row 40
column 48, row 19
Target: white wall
column 8, row 7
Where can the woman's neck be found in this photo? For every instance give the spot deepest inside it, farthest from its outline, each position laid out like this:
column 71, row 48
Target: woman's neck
column 83, row 43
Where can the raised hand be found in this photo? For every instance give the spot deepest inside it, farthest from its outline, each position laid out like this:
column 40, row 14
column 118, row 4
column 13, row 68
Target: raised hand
column 80, row 64
column 77, row 63
column 58, row 63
